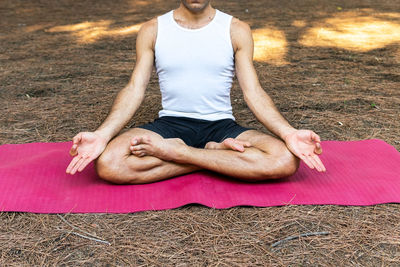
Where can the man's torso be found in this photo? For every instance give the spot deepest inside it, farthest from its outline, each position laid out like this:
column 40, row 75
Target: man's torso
column 195, row 68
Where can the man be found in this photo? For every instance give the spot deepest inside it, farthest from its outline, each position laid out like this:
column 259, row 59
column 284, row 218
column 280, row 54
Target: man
column 196, row 50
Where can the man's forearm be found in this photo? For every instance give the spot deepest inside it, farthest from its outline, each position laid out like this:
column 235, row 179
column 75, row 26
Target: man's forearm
column 267, row 113
column 124, row 107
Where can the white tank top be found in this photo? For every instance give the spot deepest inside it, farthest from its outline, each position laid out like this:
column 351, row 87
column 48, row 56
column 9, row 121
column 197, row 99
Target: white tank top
column 195, row 68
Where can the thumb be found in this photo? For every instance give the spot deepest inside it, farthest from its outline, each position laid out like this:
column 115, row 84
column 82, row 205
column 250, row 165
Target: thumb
column 315, row 137
column 73, row 151
column 76, row 140
column 318, row 149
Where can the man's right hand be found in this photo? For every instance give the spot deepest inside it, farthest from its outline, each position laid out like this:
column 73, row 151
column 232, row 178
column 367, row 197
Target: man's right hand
column 87, row 146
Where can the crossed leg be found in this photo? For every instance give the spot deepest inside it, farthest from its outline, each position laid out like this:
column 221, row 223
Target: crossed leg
column 141, row 156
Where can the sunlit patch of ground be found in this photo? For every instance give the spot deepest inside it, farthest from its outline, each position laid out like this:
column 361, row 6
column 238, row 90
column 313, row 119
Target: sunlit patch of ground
column 89, row 32
column 37, row 27
column 397, row 55
column 355, row 31
column 299, row 23
column 71, row 88
column 270, row 45
column 361, row 31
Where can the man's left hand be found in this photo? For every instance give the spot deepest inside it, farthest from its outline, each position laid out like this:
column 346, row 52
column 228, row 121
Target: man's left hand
column 306, row 145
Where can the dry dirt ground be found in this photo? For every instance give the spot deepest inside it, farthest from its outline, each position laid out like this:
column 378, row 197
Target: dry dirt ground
column 330, row 66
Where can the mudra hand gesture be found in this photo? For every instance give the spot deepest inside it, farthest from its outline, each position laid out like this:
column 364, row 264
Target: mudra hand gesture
column 306, row 145
column 87, row 146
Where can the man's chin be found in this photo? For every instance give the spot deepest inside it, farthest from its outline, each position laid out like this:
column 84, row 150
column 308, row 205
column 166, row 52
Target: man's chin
column 196, row 7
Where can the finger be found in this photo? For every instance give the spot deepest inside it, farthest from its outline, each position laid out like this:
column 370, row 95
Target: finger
column 319, row 162
column 75, row 168
column 77, row 138
column 314, row 163
column 79, row 164
column 84, row 163
column 315, row 137
column 307, row 162
column 318, row 149
column 73, row 151
column 72, row 164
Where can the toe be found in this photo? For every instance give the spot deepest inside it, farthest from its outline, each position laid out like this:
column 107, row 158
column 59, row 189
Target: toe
column 211, row 145
column 246, row 144
column 234, row 144
column 238, row 147
column 134, row 141
column 228, row 142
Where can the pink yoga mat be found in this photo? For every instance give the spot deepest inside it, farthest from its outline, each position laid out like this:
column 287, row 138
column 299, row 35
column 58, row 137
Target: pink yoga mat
column 33, row 179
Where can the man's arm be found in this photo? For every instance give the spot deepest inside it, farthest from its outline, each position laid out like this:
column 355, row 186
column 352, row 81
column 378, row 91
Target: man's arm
column 129, row 99
column 256, row 98
column 87, row 146
column 303, row 143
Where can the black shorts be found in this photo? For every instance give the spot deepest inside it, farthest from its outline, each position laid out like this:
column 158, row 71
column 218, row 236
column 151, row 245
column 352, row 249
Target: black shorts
column 195, row 132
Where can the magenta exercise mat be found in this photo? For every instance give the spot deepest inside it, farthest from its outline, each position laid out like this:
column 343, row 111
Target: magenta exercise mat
column 33, row 179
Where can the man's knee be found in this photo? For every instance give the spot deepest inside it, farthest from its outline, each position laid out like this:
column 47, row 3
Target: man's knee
column 106, row 168
column 286, row 164
column 111, row 168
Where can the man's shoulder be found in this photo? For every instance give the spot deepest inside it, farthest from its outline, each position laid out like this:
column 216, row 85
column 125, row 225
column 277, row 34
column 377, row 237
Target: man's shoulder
column 149, row 26
column 239, row 26
column 235, row 22
column 240, row 34
column 147, row 34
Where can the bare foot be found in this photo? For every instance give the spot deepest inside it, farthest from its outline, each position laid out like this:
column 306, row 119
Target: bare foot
column 229, row 143
column 165, row 149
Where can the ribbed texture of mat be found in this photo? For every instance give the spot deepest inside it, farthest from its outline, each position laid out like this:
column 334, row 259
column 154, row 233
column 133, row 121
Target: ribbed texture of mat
column 33, row 179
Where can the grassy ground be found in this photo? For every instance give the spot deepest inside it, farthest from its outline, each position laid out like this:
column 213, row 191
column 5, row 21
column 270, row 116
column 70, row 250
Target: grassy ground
column 331, row 66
